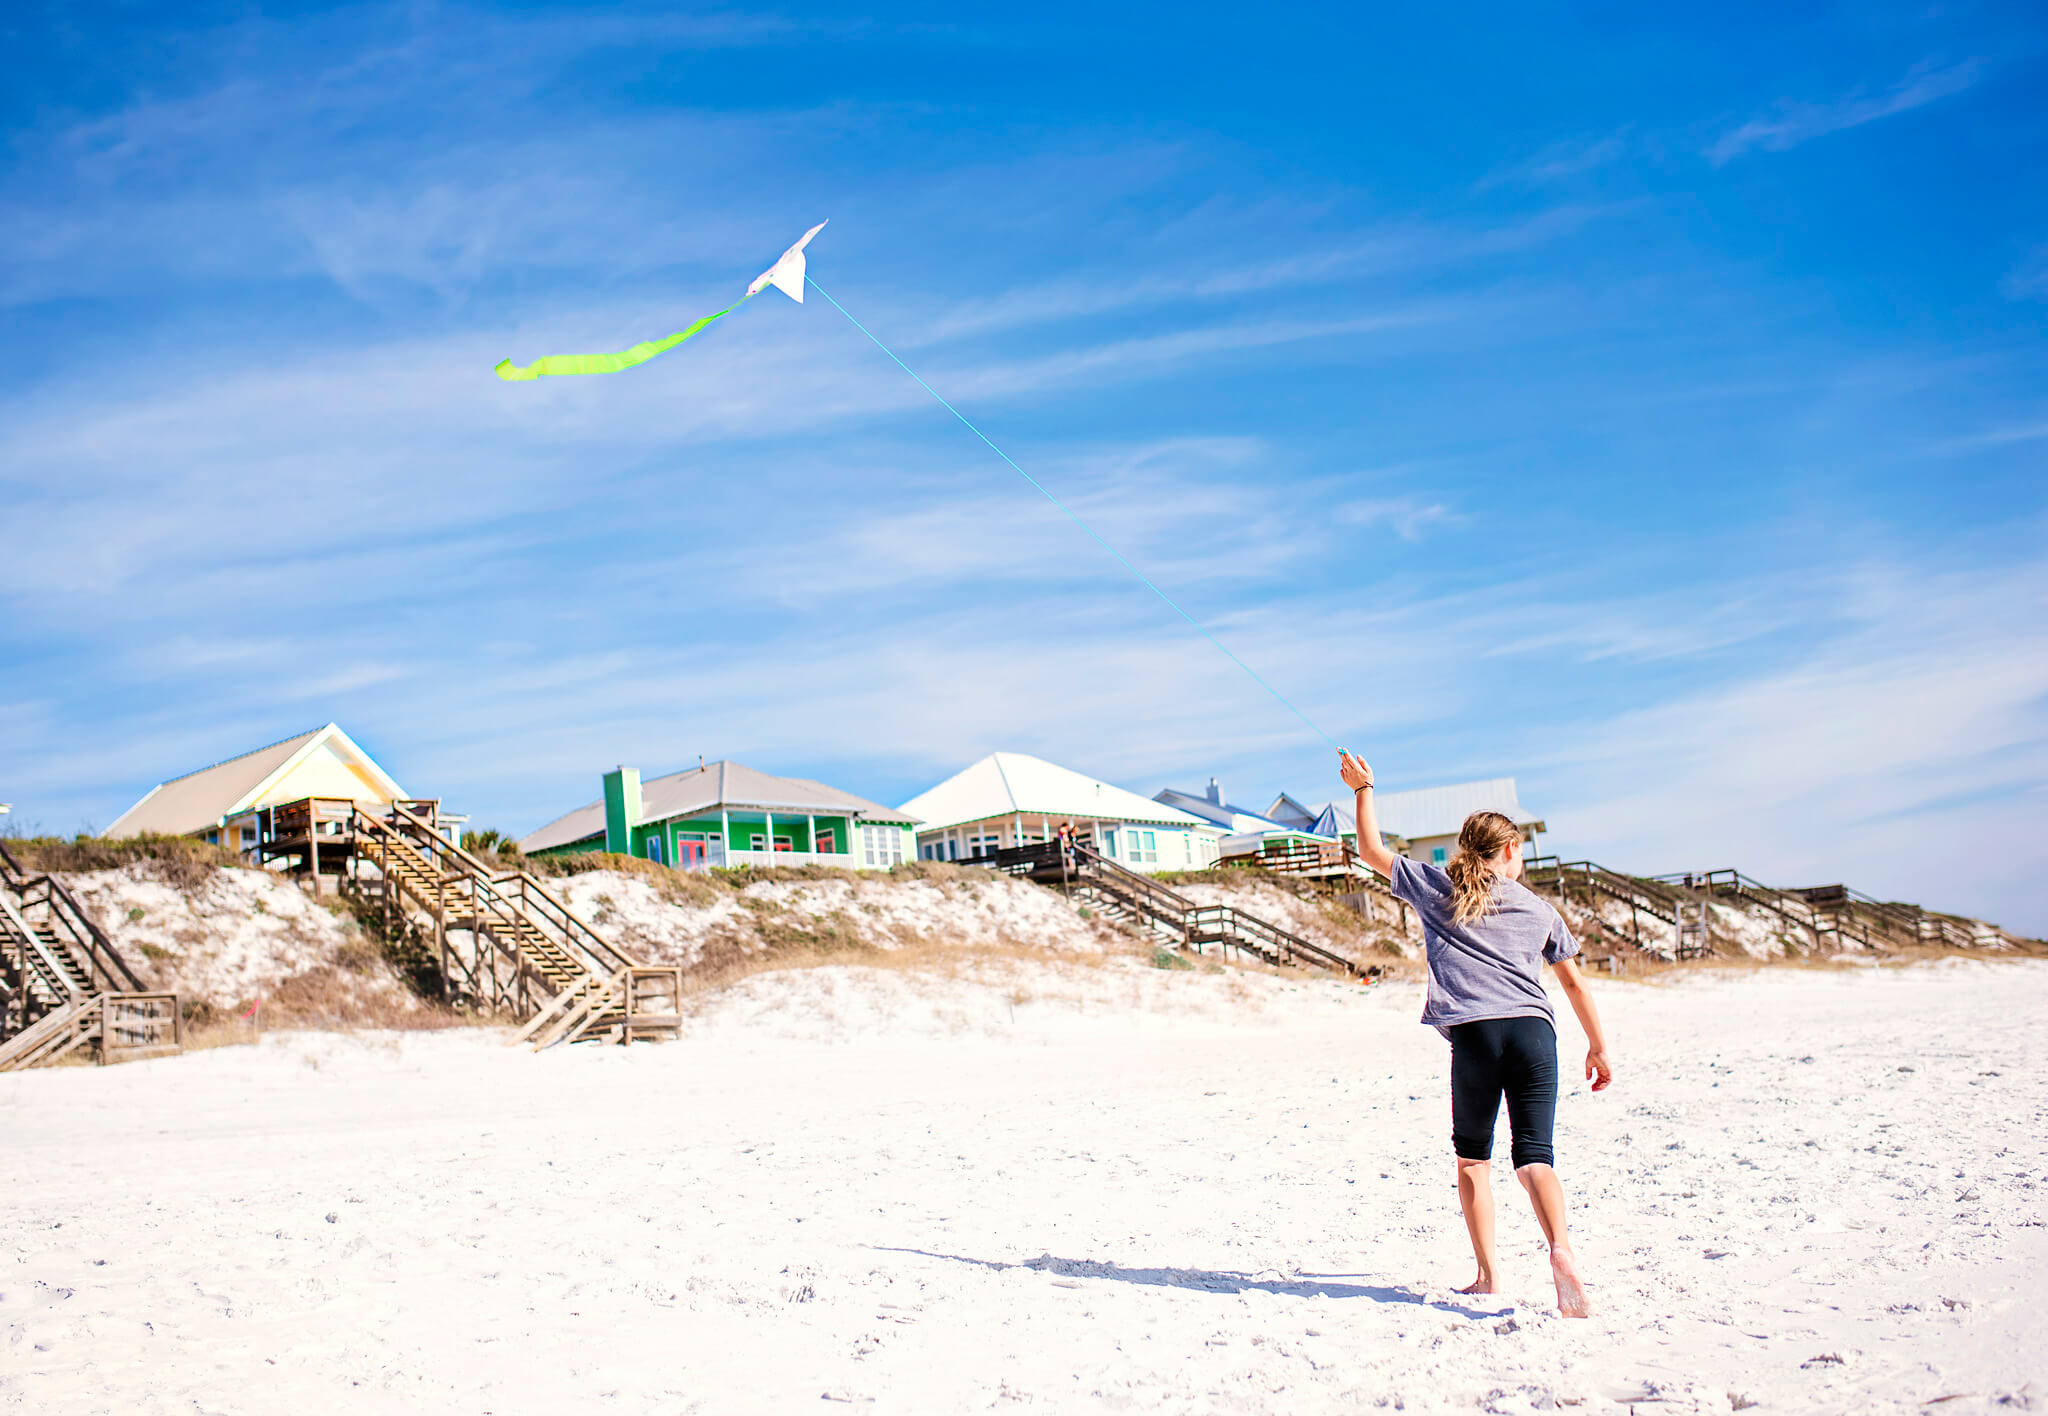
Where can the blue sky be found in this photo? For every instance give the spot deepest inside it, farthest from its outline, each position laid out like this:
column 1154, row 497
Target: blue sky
column 1652, row 408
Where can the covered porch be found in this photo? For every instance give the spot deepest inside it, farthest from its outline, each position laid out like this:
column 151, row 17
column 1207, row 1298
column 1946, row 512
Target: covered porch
column 740, row 836
column 1001, row 833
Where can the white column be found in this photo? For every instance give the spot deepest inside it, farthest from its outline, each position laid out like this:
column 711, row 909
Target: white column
column 768, row 831
column 811, row 825
column 724, row 835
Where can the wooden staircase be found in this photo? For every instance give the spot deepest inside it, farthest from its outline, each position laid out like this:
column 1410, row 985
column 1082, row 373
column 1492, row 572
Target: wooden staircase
column 1659, row 898
column 1847, row 914
column 504, row 941
column 63, row 985
column 1328, row 868
column 1158, row 910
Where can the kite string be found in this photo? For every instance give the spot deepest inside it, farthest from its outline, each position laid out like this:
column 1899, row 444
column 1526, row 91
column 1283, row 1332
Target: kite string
column 1145, row 579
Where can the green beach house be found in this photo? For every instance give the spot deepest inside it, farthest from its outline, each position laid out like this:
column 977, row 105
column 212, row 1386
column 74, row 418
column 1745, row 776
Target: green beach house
column 727, row 814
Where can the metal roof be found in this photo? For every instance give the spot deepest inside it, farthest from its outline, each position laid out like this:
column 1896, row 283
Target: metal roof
column 1289, row 812
column 203, row 799
column 716, row 786
column 1007, row 784
column 1221, row 813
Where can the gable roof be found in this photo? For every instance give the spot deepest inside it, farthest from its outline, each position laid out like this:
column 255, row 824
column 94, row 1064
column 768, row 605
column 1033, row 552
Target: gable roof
column 205, row 798
column 1015, row 783
column 1441, row 811
column 710, row 787
column 1222, row 813
column 1289, row 812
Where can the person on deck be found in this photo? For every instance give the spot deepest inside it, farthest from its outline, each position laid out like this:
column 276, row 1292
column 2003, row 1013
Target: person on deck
column 1488, row 937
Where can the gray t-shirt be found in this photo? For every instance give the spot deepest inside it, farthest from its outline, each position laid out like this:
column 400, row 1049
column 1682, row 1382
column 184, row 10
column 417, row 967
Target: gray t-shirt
column 1489, row 967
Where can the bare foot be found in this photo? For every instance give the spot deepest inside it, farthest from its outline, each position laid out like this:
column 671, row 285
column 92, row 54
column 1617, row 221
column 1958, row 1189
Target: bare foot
column 1572, row 1301
column 1481, row 1284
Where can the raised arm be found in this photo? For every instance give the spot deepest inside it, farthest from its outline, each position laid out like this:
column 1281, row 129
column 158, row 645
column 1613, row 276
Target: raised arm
column 1371, row 849
column 1598, row 1070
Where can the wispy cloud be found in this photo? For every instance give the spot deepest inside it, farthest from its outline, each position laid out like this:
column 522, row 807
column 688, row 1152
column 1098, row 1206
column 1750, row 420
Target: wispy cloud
column 1408, row 516
column 1792, row 122
column 1906, row 752
column 1560, row 162
column 1475, row 488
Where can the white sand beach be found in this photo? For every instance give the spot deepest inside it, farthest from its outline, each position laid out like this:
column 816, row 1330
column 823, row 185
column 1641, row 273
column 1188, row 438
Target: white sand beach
column 1066, row 1188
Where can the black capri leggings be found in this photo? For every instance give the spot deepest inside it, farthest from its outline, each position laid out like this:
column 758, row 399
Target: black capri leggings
column 1515, row 1056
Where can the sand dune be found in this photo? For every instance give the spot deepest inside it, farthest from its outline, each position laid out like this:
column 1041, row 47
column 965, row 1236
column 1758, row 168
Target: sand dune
column 1075, row 1189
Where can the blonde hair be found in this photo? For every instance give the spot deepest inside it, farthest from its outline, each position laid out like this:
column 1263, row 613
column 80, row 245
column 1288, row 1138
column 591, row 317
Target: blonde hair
column 1479, row 840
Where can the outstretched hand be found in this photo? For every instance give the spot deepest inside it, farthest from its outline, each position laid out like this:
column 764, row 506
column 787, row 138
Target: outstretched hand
column 1598, row 1071
column 1354, row 770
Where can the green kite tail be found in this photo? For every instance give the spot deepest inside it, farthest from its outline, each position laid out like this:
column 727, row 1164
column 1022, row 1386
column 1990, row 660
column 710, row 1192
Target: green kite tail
column 610, row 363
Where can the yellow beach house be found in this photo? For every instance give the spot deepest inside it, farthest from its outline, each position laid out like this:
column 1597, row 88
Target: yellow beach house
column 222, row 803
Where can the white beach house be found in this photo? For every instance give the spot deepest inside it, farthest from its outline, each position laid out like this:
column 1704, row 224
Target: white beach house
column 1012, row 799
column 1246, row 832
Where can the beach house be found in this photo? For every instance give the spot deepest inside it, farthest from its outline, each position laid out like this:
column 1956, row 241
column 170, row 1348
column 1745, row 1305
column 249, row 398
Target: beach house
column 1426, row 821
column 1246, row 832
column 1013, row 799
column 725, row 814
column 223, row 804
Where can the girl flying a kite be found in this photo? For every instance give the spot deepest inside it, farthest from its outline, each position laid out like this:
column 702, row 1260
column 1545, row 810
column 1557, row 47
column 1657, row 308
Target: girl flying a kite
column 1488, row 937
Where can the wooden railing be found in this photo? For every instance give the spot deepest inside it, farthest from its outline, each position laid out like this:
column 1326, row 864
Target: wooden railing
column 1898, row 923
column 512, row 892
column 47, row 979
column 75, row 929
column 1233, row 928
column 79, row 932
column 587, row 987
column 1733, row 883
column 1159, row 906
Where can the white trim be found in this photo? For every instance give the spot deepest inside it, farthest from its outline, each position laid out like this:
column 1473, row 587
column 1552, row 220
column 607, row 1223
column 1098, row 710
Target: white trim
column 114, row 829
column 332, row 732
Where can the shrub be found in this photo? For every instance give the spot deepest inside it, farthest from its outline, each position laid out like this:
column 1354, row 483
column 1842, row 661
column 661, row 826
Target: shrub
column 183, row 862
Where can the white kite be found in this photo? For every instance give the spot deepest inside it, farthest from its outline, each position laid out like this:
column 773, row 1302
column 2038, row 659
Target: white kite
column 786, row 275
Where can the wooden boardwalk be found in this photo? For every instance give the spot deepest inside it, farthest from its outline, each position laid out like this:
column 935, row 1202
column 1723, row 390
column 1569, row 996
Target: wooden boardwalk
column 65, row 987
column 503, row 942
column 1158, row 909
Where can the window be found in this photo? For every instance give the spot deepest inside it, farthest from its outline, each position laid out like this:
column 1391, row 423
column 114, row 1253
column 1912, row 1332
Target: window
column 1436, row 855
column 827, row 842
column 1135, row 846
column 756, row 841
column 881, row 846
column 654, row 851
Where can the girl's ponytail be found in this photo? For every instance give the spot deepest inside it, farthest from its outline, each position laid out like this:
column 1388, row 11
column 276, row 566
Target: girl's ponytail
column 1482, row 837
